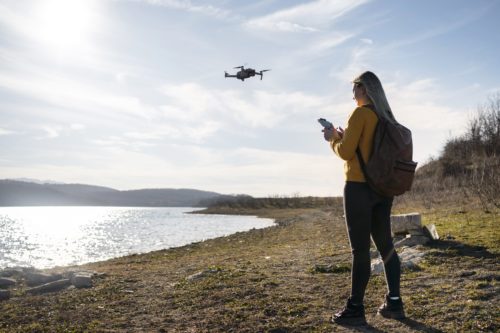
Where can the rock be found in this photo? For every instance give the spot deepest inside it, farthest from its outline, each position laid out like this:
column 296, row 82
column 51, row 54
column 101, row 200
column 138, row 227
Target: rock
column 406, row 224
column 412, row 240
column 377, row 266
column 431, row 232
column 10, row 271
column 196, row 276
column 409, row 253
column 82, row 280
column 7, row 272
column 203, row 274
column 4, row 295
column 35, row 279
column 6, row 282
column 409, row 264
column 50, row 287
column 409, row 257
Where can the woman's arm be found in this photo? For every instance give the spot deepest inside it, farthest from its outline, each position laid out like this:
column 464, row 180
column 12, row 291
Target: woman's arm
column 345, row 147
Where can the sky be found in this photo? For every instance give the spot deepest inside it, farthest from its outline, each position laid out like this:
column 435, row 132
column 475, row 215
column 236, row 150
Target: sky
column 131, row 93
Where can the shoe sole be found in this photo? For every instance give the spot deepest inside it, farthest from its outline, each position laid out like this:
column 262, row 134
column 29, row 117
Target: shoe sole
column 392, row 315
column 350, row 321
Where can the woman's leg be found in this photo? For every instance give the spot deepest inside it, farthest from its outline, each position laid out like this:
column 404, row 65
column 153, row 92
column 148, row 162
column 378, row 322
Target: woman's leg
column 357, row 208
column 381, row 234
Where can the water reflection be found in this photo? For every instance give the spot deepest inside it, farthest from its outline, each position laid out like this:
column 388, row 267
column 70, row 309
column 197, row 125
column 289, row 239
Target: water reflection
column 52, row 236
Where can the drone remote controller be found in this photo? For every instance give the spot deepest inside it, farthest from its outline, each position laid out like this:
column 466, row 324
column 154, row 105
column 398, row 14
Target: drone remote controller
column 325, row 123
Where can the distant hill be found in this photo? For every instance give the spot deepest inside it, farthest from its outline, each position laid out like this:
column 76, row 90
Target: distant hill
column 25, row 193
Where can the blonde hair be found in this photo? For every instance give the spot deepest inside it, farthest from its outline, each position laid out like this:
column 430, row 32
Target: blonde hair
column 376, row 93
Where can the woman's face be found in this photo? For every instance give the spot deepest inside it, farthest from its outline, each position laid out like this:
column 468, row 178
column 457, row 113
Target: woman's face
column 359, row 94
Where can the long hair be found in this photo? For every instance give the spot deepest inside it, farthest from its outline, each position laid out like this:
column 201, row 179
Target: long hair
column 376, row 93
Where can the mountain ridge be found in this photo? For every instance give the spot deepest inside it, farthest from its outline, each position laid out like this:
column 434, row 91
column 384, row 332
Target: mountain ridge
column 25, row 193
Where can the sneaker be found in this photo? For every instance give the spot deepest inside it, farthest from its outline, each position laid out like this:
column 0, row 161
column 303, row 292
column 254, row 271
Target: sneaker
column 392, row 309
column 353, row 315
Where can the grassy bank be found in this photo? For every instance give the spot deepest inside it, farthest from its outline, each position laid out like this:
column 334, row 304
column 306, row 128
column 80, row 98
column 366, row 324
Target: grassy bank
column 272, row 280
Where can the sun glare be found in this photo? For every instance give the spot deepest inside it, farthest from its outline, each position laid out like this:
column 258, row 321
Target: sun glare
column 65, row 24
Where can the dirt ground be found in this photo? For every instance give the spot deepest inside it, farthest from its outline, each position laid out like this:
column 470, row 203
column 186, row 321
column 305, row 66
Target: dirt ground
column 269, row 280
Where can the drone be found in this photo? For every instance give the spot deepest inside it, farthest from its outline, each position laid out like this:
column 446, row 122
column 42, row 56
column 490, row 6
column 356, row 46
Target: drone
column 245, row 73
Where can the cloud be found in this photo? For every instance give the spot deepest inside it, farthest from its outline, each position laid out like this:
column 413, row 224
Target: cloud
column 51, row 132
column 359, row 61
column 193, row 103
column 187, row 5
column 3, row 131
column 323, row 44
column 77, row 127
column 74, row 95
column 418, row 104
column 310, row 17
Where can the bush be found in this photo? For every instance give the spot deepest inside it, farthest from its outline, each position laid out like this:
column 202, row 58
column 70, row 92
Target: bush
column 469, row 165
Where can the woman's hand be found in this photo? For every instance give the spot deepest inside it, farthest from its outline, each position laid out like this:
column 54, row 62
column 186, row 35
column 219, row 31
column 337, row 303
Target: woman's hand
column 340, row 130
column 332, row 134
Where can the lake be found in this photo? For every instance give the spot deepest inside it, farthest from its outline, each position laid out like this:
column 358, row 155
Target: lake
column 45, row 237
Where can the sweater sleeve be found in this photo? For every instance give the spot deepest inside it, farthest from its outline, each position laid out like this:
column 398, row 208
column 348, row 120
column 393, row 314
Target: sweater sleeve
column 345, row 148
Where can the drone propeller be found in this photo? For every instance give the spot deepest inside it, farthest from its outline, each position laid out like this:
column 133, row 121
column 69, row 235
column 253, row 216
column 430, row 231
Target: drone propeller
column 262, row 71
column 241, row 67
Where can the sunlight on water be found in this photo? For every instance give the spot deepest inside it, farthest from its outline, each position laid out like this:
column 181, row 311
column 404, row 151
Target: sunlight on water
column 54, row 236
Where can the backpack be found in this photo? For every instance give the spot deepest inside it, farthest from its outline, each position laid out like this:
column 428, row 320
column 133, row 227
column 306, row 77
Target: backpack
column 390, row 169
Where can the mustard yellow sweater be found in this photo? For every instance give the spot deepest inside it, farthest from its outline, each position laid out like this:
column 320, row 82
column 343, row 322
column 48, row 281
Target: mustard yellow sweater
column 359, row 131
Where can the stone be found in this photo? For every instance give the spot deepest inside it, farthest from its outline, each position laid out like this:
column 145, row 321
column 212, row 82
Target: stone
column 35, row 279
column 4, row 295
column 409, row 264
column 409, row 253
column 196, row 276
column 412, row 240
column 82, row 280
column 406, row 224
column 50, row 287
column 6, row 282
column 202, row 274
column 431, row 232
column 408, row 256
column 377, row 266
column 11, row 271
column 7, row 272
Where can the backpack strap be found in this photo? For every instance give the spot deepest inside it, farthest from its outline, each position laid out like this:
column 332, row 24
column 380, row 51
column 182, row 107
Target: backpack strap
column 361, row 162
column 358, row 151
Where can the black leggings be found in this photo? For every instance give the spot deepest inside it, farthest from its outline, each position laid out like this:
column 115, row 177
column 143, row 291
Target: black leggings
column 367, row 213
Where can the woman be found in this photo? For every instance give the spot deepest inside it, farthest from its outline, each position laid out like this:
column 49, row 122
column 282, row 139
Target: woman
column 366, row 212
